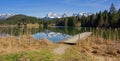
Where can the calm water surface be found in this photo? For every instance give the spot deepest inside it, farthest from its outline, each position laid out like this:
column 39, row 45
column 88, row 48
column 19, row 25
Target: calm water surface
column 56, row 34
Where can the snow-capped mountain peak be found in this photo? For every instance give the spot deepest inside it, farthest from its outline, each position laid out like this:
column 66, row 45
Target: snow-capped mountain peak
column 67, row 15
column 5, row 16
column 51, row 15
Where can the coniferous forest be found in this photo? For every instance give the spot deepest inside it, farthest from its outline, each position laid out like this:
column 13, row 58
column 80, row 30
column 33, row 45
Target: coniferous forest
column 106, row 18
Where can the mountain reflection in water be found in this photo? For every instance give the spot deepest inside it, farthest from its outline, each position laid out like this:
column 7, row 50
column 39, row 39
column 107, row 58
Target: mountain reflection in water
column 52, row 36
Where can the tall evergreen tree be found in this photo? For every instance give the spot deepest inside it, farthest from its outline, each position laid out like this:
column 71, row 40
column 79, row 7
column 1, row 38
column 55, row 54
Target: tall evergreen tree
column 112, row 8
column 106, row 18
column 66, row 22
column 119, row 18
column 113, row 16
column 83, row 21
column 119, row 12
column 101, row 20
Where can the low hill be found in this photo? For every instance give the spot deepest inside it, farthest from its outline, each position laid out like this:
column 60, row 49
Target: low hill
column 20, row 19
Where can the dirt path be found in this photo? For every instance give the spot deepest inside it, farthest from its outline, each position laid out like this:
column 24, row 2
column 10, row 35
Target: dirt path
column 61, row 49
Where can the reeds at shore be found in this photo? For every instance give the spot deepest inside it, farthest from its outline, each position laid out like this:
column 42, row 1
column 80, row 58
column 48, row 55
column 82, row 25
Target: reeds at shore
column 13, row 44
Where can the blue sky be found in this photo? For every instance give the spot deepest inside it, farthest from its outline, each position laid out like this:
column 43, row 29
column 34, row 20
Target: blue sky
column 40, row 8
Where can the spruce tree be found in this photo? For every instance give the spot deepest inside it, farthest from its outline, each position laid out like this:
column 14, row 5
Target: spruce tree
column 113, row 16
column 66, row 22
column 112, row 8
column 101, row 20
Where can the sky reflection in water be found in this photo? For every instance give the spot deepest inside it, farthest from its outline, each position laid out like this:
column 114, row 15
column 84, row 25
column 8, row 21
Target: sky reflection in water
column 52, row 36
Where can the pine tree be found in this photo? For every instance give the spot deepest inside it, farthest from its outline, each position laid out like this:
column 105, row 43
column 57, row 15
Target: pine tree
column 101, row 20
column 113, row 16
column 66, row 22
column 119, row 12
column 119, row 18
column 83, row 21
column 106, row 18
column 112, row 8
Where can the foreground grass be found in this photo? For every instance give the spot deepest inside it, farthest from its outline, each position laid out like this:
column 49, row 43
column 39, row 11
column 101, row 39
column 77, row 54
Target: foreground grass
column 73, row 54
column 26, row 48
column 23, row 43
column 92, row 49
column 47, row 55
column 28, row 56
column 103, row 49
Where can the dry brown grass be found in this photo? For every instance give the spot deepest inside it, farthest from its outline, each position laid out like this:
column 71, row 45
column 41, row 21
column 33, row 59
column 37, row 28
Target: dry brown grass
column 36, row 25
column 100, row 47
column 23, row 43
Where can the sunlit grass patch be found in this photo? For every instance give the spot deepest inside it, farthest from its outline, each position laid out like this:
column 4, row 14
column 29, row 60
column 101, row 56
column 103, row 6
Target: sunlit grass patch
column 28, row 56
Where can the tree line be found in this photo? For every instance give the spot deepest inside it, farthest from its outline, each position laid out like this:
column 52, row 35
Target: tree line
column 107, row 18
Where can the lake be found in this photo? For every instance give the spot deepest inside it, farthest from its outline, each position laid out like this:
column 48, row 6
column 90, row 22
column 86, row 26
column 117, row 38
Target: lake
column 56, row 34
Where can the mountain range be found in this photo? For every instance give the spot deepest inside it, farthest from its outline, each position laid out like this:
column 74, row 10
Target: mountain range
column 51, row 15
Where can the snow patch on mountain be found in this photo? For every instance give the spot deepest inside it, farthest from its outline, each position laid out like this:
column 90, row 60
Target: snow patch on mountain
column 5, row 16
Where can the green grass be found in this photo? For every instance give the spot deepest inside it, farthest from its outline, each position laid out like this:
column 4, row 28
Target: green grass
column 28, row 56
